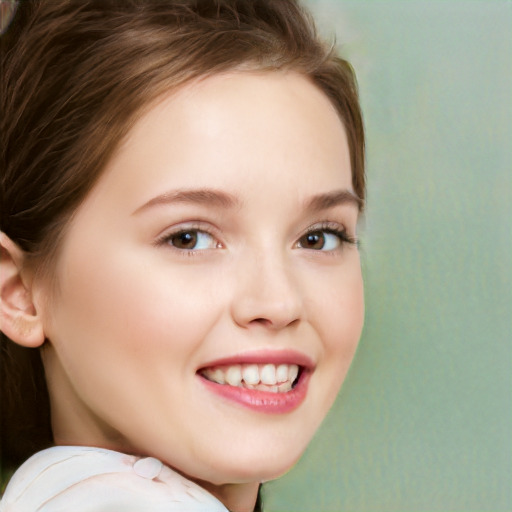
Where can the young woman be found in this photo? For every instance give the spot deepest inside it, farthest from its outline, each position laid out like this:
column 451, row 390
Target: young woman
column 181, row 183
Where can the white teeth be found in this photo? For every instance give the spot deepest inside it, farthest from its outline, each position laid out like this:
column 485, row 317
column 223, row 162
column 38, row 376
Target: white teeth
column 234, row 375
column 284, row 387
column 251, row 374
column 282, row 373
column 264, row 377
column 218, row 376
column 268, row 375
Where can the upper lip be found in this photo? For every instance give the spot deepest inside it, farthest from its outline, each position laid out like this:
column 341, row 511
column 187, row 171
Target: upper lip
column 265, row 356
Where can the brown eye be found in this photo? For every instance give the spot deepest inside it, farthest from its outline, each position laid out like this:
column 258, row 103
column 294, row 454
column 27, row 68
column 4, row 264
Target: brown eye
column 313, row 240
column 324, row 240
column 192, row 240
column 184, row 240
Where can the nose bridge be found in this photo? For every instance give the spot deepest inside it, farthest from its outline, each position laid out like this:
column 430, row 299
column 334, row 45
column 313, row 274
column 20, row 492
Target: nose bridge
column 268, row 290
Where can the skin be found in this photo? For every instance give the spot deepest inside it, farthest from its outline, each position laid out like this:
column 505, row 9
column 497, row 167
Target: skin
column 135, row 317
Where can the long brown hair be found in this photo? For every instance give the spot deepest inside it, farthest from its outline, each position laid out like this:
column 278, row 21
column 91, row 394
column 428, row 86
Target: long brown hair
column 76, row 75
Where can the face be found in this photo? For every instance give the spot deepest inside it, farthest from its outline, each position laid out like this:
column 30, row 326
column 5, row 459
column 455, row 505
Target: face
column 209, row 289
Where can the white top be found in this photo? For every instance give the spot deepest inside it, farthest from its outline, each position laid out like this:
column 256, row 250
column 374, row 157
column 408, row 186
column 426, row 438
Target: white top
column 85, row 479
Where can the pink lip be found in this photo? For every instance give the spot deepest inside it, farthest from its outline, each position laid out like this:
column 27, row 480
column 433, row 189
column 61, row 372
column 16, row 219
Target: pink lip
column 264, row 401
column 265, row 356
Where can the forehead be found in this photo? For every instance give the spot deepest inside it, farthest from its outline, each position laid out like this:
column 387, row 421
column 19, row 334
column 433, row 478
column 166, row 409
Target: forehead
column 239, row 131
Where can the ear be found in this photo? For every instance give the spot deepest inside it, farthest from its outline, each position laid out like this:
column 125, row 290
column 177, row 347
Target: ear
column 19, row 319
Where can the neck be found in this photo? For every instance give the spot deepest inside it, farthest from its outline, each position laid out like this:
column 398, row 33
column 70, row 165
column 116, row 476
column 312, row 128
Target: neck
column 235, row 497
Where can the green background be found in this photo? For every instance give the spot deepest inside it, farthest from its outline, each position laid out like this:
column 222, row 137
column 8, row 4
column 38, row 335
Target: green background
column 424, row 420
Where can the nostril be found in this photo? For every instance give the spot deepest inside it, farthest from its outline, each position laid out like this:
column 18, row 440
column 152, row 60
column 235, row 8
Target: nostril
column 262, row 321
column 273, row 323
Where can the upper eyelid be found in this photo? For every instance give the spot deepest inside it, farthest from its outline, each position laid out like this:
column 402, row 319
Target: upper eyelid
column 327, row 226
column 200, row 226
column 333, row 228
column 192, row 225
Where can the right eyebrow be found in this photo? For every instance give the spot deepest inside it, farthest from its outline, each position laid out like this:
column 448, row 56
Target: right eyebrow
column 335, row 198
column 205, row 196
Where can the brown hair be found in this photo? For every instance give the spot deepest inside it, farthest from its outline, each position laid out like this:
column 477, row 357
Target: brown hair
column 76, row 74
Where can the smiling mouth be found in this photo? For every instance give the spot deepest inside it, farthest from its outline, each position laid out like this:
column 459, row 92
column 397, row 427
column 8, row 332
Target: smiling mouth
column 273, row 378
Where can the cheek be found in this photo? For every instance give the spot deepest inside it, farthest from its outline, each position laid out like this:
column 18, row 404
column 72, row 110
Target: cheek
column 341, row 315
column 118, row 291
column 339, row 307
column 349, row 315
column 123, row 318
column 125, row 339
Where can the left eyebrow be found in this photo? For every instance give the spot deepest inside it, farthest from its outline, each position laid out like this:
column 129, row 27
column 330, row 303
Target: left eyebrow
column 204, row 196
column 331, row 199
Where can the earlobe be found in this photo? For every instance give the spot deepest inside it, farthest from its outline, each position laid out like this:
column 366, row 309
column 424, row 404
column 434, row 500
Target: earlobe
column 19, row 319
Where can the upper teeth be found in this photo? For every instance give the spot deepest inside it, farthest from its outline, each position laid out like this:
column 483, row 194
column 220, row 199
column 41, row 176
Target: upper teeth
column 279, row 378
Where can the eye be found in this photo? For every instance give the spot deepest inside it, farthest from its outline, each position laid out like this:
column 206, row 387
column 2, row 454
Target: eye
column 192, row 240
column 324, row 239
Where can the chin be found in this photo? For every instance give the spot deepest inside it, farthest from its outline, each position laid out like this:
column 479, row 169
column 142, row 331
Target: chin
column 260, row 466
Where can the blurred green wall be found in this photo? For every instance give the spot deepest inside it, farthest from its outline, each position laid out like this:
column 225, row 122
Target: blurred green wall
column 424, row 420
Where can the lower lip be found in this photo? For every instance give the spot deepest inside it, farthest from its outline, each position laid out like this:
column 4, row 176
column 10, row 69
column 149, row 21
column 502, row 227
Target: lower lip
column 263, row 401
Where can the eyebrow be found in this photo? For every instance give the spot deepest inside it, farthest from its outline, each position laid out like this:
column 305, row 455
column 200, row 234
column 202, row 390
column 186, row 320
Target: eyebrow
column 205, row 196
column 331, row 199
column 217, row 198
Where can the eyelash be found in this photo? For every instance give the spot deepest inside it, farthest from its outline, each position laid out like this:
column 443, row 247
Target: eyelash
column 331, row 229
column 326, row 228
column 167, row 237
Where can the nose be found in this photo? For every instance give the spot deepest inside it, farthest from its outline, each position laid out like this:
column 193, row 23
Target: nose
column 267, row 294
